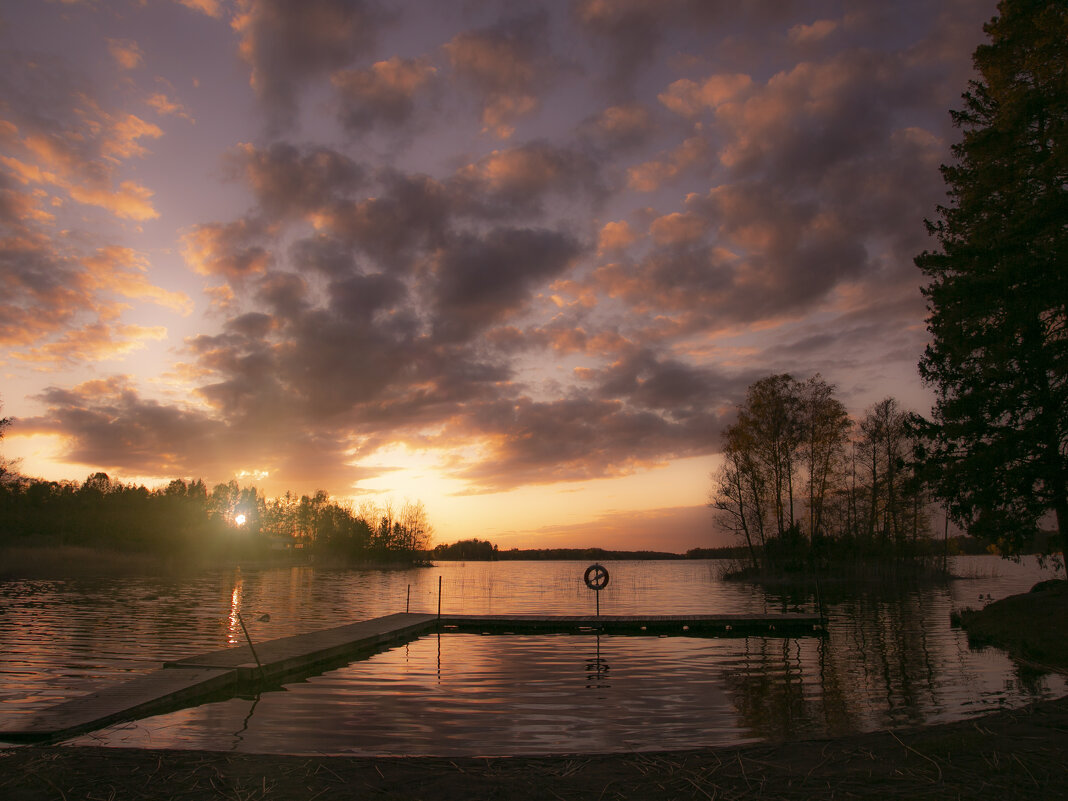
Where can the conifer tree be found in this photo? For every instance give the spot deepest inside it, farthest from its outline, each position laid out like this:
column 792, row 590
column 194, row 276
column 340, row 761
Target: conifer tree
column 997, row 447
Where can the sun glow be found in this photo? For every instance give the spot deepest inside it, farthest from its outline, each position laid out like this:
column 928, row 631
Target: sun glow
column 239, row 520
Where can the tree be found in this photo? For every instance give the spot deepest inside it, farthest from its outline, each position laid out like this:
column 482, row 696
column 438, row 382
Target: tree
column 7, row 468
column 996, row 450
column 825, row 428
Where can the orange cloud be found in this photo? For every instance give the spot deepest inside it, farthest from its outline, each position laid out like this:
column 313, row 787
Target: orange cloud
column 505, row 64
column 122, row 142
column 93, row 342
column 674, row 229
column 126, row 53
column 130, row 202
column 690, row 98
column 122, row 270
column 651, row 175
column 82, row 161
column 209, row 7
column 164, row 106
column 230, row 250
column 615, row 236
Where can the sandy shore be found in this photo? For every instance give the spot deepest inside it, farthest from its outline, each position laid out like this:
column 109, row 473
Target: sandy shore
column 1019, row 754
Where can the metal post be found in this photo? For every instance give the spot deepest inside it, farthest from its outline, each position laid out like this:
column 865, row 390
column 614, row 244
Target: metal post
column 439, row 597
column 251, row 647
column 408, row 602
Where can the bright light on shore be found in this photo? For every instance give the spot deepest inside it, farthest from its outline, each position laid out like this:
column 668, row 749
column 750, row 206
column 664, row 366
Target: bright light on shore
column 239, row 520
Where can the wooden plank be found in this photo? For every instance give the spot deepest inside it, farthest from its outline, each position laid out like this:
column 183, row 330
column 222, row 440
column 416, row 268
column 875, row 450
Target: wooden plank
column 301, row 651
column 145, row 695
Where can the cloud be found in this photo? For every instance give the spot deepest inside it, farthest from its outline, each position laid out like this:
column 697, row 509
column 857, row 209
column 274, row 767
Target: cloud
column 233, row 251
column 107, row 424
column 93, row 342
column 411, row 213
column 58, row 299
column 287, row 44
column 690, row 98
column 57, row 135
column 651, row 175
column 212, row 8
column 813, row 33
column 621, row 127
column 508, row 64
column 123, row 270
column 126, row 53
column 576, row 439
column 383, row 94
column 477, row 280
column 615, row 236
column 290, row 182
column 516, row 181
column 166, row 107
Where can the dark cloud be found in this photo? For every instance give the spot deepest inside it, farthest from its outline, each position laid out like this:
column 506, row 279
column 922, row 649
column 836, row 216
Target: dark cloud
column 363, row 296
column 384, row 95
column 410, row 214
column 518, row 181
column 576, row 439
column 293, row 182
column 286, row 44
column 476, row 281
column 509, row 64
column 677, row 389
column 109, row 425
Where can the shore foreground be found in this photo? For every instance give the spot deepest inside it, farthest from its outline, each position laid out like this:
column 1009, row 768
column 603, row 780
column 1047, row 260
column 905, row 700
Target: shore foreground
column 1016, row 754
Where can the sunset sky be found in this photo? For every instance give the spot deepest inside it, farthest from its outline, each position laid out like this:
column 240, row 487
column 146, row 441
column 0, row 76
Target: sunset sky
column 516, row 260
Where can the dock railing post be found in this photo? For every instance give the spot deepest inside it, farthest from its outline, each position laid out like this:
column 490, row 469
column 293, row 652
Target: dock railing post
column 439, row 597
column 251, row 647
column 408, row 601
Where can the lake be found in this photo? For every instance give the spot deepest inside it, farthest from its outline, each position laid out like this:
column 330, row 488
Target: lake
column 890, row 659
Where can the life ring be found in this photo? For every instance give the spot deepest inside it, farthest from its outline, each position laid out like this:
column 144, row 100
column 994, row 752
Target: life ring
column 596, row 577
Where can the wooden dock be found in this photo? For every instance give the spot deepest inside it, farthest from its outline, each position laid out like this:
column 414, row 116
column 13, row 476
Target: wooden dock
column 190, row 680
column 677, row 625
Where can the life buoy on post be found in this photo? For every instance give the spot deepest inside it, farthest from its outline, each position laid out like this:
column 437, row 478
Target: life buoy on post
column 596, row 577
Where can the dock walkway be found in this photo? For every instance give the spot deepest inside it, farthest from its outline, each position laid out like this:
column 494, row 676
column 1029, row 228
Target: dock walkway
column 190, row 680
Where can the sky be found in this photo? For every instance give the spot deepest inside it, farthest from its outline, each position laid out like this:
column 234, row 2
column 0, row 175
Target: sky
column 518, row 261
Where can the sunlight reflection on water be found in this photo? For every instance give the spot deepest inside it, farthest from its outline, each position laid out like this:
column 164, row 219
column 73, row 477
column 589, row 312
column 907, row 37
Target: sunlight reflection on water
column 890, row 659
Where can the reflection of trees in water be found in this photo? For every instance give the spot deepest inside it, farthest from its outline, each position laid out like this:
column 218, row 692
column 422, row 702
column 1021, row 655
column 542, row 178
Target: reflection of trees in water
column 883, row 641
column 878, row 666
column 769, row 687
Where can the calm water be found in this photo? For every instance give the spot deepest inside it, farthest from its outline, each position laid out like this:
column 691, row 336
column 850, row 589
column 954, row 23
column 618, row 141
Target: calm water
column 890, row 659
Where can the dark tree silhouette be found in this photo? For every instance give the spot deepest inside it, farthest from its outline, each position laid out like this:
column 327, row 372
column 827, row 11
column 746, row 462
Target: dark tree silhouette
column 997, row 447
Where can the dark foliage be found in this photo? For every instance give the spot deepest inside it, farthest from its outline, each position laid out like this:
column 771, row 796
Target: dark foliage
column 189, row 522
column 996, row 448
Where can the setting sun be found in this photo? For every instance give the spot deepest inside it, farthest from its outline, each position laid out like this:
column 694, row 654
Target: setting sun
column 239, row 520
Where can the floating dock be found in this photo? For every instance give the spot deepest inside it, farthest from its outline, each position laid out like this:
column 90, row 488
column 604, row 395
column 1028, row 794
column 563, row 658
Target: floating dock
column 190, row 680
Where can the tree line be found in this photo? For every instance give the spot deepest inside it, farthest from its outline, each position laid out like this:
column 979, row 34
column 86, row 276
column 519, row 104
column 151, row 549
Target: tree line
column 801, row 481
column 187, row 520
